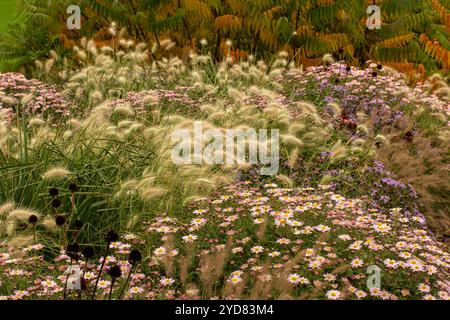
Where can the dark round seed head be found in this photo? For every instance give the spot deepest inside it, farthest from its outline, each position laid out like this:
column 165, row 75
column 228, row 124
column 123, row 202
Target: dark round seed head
column 56, row 203
column 379, row 67
column 32, row 219
column 72, row 251
column 73, row 187
column 60, row 220
column 78, row 224
column 374, row 74
column 88, row 252
column 341, row 51
column 348, row 68
column 53, row 192
column 73, row 247
column 111, row 236
column 135, row 257
column 115, row 272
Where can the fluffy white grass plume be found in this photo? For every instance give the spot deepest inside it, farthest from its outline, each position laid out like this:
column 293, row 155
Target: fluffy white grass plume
column 327, row 59
column 128, row 188
column 56, row 173
column 74, row 123
column 150, row 100
column 335, row 108
column 96, row 96
column 68, row 134
column 125, row 124
column 235, row 95
column 26, row 98
column 292, row 140
column 306, row 107
column 208, row 108
column 362, row 116
column 6, row 208
column 10, row 101
column 20, row 241
column 283, row 54
column 381, row 139
column 152, row 192
column 35, row 122
column 146, row 182
column 21, row 214
column 338, row 151
column 358, row 142
column 38, row 65
column 285, row 180
column 443, row 93
column 326, row 179
column 217, row 116
column 296, row 127
column 362, row 129
column 293, row 157
column 49, row 223
column 151, row 132
column 92, row 47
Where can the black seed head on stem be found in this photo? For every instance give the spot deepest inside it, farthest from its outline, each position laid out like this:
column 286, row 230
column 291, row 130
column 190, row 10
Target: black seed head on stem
column 111, row 236
column 60, row 220
column 78, row 224
column 33, row 219
column 53, row 192
column 56, row 203
column 88, row 252
column 115, row 272
column 135, row 257
column 73, row 250
column 73, row 247
column 73, row 187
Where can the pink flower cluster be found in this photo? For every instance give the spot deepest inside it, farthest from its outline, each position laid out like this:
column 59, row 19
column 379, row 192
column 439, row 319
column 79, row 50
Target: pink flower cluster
column 45, row 97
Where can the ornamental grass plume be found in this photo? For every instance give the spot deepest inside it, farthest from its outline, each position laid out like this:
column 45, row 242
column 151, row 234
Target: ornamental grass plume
column 327, row 59
column 56, row 173
column 292, row 140
column 15, row 215
column 338, row 151
column 6, row 207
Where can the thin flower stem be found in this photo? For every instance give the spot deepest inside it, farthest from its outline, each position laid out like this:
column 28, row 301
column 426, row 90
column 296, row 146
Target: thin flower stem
column 126, row 282
column 100, row 271
column 82, row 278
column 72, row 200
column 111, row 289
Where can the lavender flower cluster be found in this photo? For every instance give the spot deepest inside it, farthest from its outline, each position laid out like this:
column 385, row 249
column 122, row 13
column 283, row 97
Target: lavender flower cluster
column 364, row 90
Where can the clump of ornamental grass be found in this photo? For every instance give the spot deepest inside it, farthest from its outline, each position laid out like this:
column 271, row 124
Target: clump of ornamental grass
column 119, row 147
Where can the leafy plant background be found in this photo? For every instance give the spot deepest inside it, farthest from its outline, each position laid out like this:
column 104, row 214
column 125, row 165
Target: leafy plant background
column 414, row 32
